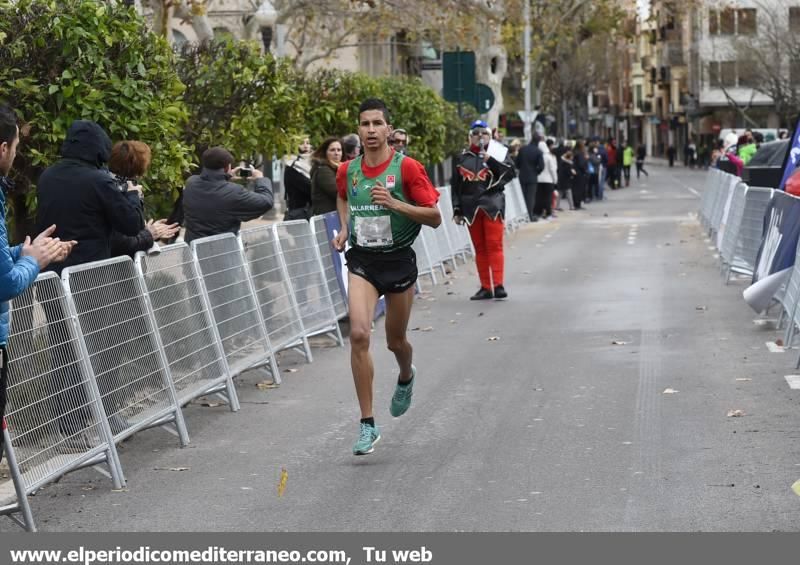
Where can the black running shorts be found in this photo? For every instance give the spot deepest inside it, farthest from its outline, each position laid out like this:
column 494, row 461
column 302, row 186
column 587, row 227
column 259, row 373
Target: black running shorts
column 392, row 272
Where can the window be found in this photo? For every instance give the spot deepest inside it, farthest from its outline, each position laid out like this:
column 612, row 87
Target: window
column 727, row 22
column 713, row 22
column 727, row 73
column 638, row 95
column 794, row 71
column 794, row 20
column 713, row 74
column 746, row 21
column 748, row 74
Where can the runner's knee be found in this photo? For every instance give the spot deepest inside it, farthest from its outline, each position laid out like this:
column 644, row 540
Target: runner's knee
column 359, row 337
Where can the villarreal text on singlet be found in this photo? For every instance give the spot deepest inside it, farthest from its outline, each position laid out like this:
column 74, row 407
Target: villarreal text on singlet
column 372, row 226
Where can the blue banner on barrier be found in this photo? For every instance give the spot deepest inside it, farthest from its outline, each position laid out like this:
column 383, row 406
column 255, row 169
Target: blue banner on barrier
column 776, row 255
column 332, row 227
column 792, row 157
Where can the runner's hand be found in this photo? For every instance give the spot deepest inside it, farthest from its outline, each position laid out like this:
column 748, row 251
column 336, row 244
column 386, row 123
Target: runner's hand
column 340, row 240
column 382, row 197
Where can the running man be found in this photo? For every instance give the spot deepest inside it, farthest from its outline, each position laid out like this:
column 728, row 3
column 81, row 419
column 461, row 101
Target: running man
column 383, row 198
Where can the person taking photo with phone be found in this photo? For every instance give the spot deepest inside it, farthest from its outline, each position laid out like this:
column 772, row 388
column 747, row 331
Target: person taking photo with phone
column 213, row 204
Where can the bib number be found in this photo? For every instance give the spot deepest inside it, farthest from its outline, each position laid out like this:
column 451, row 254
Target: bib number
column 374, row 231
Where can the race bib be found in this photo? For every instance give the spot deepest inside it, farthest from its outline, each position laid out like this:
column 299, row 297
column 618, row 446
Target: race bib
column 374, row 231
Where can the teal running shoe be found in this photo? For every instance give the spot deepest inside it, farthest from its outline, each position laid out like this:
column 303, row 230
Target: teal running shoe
column 401, row 399
column 367, row 439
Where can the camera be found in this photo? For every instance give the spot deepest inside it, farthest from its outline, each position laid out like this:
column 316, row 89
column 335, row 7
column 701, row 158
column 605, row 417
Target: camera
column 245, row 172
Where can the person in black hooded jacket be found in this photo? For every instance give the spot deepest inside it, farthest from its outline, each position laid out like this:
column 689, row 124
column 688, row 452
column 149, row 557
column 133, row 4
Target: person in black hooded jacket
column 80, row 196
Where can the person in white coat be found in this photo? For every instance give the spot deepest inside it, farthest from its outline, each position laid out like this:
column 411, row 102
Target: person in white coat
column 546, row 182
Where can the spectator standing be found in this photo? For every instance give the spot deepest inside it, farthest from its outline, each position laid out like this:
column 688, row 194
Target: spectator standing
column 627, row 161
column 351, row 147
column 641, row 154
column 581, row 159
column 530, row 164
column 399, row 141
column 80, row 196
column 566, row 177
column 19, row 265
column 612, row 163
column 594, row 187
column 129, row 162
column 325, row 162
column 85, row 201
column 297, row 180
column 212, row 204
column 546, row 182
column 671, row 155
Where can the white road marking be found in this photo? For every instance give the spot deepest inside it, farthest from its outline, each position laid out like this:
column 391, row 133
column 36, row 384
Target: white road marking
column 793, row 380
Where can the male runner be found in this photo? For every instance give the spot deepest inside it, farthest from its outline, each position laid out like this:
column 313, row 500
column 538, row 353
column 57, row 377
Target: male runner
column 383, row 198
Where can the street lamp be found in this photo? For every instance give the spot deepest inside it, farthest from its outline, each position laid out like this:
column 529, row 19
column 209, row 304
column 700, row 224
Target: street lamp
column 266, row 16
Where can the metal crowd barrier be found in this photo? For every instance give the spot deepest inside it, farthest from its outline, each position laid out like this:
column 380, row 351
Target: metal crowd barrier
column 233, row 304
column 748, row 236
column 273, row 291
column 125, row 353
column 55, row 423
column 709, row 194
column 730, row 230
column 324, row 249
column 182, row 314
column 516, row 209
column 454, row 231
column 299, row 250
column 425, row 262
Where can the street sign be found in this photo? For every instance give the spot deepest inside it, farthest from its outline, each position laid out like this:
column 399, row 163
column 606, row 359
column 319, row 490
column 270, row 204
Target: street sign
column 458, row 76
column 484, row 98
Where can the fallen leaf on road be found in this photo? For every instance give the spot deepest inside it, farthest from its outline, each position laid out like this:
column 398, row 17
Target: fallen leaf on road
column 779, row 342
column 493, row 338
column 796, row 487
column 176, row 469
column 290, row 370
column 526, row 272
column 266, row 385
column 480, row 313
column 450, row 292
column 210, row 404
column 701, row 308
column 415, row 329
column 670, row 391
column 282, row 482
column 87, row 488
column 427, row 329
column 735, row 413
column 744, row 379
column 617, row 342
column 452, row 321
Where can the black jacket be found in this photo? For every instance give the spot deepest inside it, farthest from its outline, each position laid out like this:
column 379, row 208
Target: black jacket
column 298, row 188
column 477, row 184
column 81, row 197
column 530, row 163
column 212, row 204
column 122, row 244
column 323, row 187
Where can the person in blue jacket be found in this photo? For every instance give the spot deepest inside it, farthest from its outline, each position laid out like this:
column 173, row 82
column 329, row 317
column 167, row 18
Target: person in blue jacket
column 19, row 265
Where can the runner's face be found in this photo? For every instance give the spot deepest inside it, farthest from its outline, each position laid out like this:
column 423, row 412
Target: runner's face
column 373, row 130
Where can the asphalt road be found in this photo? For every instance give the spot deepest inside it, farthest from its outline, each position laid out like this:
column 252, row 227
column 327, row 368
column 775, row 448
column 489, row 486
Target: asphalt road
column 551, row 427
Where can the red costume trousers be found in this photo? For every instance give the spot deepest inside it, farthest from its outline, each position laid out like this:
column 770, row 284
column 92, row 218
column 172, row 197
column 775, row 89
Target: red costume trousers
column 487, row 238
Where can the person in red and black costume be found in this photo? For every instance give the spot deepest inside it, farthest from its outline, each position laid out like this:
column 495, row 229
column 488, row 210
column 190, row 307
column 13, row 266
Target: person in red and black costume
column 477, row 187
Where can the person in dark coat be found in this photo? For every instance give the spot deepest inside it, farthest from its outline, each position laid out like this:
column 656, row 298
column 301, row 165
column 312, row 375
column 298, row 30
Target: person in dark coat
column 212, row 204
column 582, row 176
column 129, row 161
column 297, row 180
column 81, row 197
column 530, row 164
column 324, row 163
column 566, row 177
